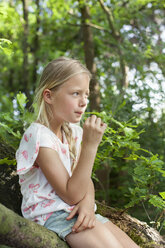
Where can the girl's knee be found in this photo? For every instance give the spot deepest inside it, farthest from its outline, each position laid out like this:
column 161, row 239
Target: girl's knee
column 83, row 239
column 98, row 237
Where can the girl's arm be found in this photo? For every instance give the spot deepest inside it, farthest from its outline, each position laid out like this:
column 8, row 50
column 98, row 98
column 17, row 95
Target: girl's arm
column 73, row 189
column 85, row 210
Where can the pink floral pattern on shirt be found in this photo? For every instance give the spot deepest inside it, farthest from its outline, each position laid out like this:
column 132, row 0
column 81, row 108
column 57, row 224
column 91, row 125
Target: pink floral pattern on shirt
column 39, row 198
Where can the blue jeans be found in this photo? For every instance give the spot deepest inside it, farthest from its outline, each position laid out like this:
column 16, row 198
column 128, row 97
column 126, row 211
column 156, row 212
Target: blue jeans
column 57, row 223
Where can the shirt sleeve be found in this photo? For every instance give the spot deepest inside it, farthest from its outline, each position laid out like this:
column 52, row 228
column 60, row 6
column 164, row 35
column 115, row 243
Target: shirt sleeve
column 48, row 139
column 34, row 137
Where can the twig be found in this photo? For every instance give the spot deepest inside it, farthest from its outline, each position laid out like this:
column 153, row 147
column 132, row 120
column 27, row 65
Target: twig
column 146, row 211
column 89, row 25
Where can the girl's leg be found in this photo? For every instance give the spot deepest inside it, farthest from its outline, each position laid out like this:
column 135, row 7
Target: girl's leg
column 121, row 236
column 98, row 237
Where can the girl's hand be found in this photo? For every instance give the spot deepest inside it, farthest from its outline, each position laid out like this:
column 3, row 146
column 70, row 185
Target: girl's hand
column 86, row 216
column 93, row 130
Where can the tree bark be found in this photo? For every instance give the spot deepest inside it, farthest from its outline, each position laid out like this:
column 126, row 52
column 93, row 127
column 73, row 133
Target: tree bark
column 117, row 36
column 35, row 45
column 18, row 232
column 25, row 47
column 144, row 235
column 90, row 56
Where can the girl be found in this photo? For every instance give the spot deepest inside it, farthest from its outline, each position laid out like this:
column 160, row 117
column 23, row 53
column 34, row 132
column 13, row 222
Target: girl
column 54, row 172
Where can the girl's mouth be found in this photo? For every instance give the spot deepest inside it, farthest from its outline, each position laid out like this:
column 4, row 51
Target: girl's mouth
column 79, row 113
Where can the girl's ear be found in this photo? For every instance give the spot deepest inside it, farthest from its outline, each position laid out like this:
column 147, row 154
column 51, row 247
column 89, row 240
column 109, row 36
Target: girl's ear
column 47, row 95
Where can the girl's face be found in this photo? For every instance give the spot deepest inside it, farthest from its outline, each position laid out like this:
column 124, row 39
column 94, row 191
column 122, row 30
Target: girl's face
column 69, row 101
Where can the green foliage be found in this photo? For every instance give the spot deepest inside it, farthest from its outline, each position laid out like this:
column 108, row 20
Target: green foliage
column 8, row 161
column 5, row 46
column 14, row 120
column 143, row 170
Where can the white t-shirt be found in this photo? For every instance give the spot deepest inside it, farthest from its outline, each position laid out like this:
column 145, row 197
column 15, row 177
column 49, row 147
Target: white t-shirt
column 39, row 198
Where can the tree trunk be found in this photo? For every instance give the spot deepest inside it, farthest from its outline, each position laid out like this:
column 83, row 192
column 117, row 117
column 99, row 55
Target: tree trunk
column 89, row 56
column 18, row 232
column 35, row 45
column 117, row 37
column 144, row 235
column 25, row 46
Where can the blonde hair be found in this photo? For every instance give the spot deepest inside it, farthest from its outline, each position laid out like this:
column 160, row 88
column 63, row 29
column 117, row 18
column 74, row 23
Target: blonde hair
column 56, row 73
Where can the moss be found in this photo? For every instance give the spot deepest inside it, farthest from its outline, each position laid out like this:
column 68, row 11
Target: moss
column 135, row 229
column 19, row 232
column 142, row 242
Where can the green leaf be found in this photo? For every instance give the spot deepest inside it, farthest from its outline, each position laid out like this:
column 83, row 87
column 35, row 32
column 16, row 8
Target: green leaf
column 9, row 130
column 128, row 131
column 21, row 100
column 8, row 161
column 162, row 194
column 156, row 201
column 6, row 46
column 132, row 157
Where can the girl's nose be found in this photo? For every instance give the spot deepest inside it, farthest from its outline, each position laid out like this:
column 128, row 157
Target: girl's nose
column 83, row 101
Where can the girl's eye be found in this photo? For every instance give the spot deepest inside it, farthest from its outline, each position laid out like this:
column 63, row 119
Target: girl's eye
column 75, row 94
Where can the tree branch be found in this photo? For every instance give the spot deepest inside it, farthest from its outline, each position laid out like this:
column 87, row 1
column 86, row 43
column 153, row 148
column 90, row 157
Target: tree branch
column 117, row 36
column 18, row 232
